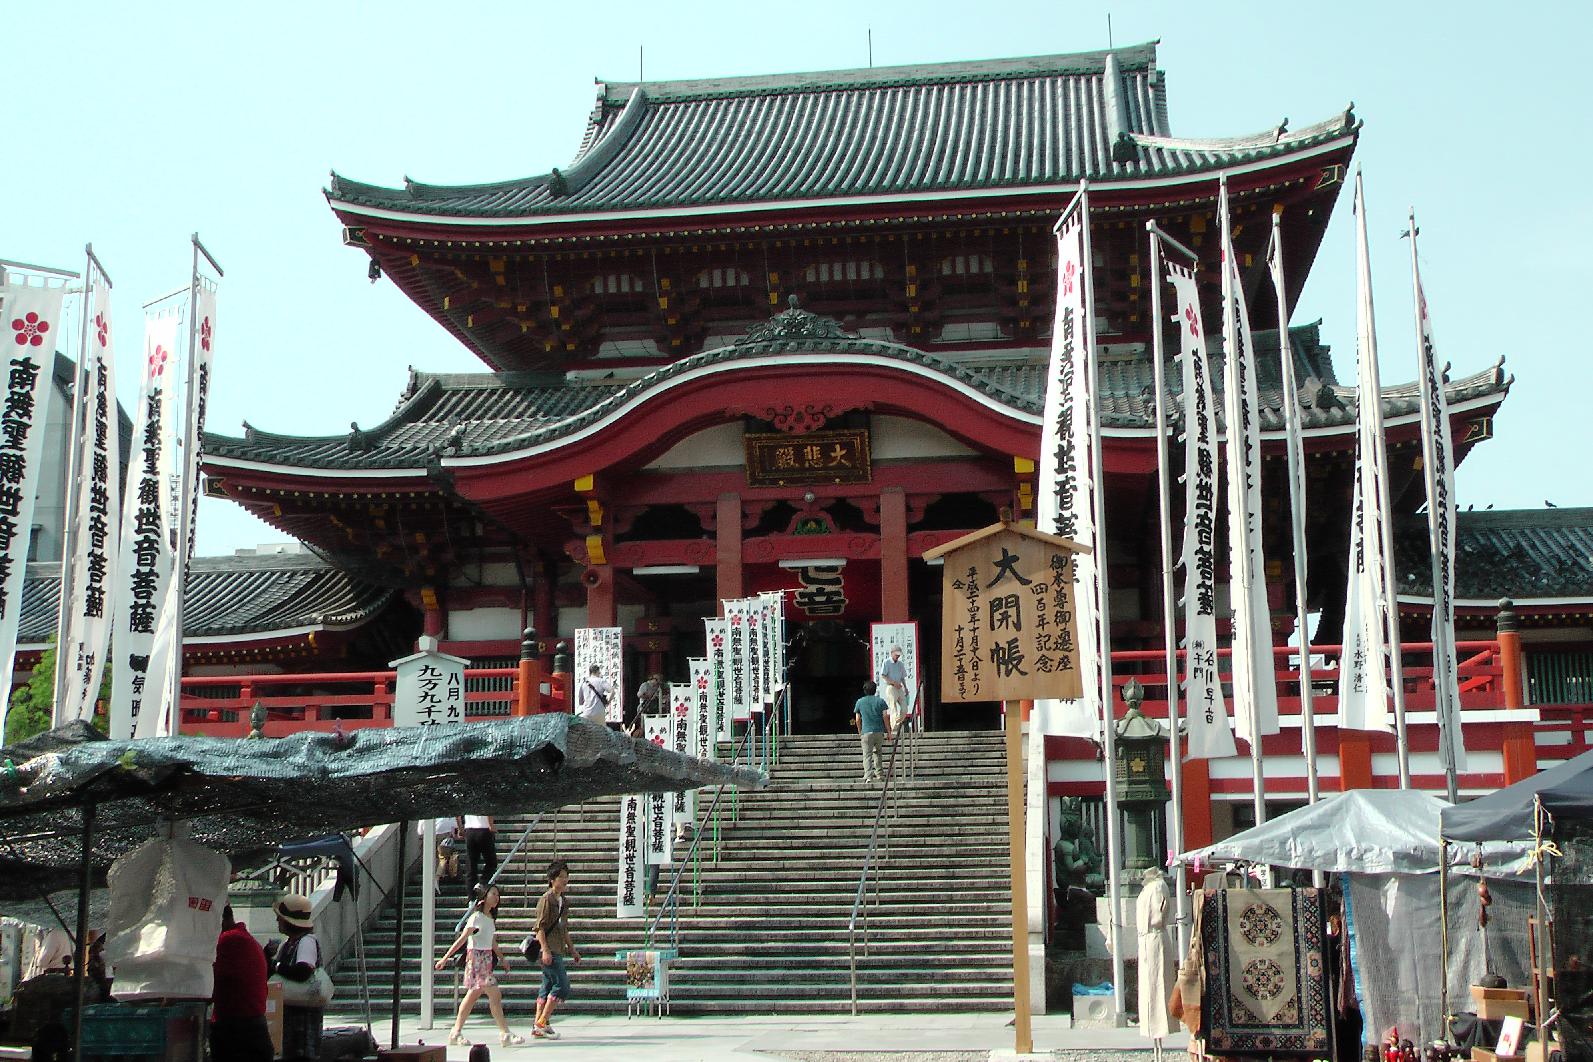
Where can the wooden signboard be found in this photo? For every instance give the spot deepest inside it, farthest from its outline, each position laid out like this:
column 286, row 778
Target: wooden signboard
column 1007, row 626
column 781, row 460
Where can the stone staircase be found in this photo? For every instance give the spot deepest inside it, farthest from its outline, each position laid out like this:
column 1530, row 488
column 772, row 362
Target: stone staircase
column 769, row 932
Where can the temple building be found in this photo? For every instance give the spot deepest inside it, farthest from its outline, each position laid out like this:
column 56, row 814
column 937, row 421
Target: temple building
column 790, row 331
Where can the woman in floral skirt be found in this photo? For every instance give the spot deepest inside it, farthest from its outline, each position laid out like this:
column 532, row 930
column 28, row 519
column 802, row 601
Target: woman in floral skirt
column 482, row 958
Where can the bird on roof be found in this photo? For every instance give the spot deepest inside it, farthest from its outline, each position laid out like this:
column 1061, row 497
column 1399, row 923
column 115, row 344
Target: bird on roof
column 1549, row 504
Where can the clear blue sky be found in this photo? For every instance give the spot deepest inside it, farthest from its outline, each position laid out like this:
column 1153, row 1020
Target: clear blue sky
column 132, row 125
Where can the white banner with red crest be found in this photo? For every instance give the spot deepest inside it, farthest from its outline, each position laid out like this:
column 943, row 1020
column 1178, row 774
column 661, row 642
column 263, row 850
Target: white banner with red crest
column 96, row 533
column 737, row 615
column 705, row 740
column 1210, row 734
column 1066, row 502
column 716, row 633
column 32, row 316
column 144, row 562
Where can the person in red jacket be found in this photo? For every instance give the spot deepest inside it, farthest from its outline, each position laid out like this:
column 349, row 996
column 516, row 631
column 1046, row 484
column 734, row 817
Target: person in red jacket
column 238, row 1029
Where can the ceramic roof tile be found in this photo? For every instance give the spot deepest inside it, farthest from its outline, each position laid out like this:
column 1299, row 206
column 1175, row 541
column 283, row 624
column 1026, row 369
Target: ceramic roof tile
column 236, row 594
column 1515, row 553
column 1013, row 123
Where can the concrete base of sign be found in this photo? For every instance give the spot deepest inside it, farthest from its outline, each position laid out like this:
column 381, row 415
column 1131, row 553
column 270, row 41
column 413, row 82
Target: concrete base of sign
column 1098, row 938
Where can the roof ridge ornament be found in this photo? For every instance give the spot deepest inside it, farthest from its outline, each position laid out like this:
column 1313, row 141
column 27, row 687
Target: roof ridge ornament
column 794, row 323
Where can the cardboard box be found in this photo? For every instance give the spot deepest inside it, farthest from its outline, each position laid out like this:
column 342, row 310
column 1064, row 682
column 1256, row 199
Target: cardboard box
column 1497, row 1004
column 1482, row 1054
column 1538, row 1051
column 413, row 1053
column 273, row 1015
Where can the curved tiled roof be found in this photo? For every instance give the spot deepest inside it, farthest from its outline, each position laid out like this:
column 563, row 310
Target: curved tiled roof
column 1034, row 122
column 1516, row 553
column 480, row 414
column 232, row 595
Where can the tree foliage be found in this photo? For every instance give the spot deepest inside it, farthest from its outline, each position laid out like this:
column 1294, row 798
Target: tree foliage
column 33, row 703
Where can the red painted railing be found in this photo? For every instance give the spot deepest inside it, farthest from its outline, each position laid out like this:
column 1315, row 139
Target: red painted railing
column 1480, row 673
column 219, row 705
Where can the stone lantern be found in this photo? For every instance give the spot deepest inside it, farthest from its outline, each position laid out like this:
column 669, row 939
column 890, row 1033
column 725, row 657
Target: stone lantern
column 1141, row 769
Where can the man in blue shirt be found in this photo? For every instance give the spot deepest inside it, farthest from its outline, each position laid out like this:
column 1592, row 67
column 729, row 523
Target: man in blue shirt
column 874, row 727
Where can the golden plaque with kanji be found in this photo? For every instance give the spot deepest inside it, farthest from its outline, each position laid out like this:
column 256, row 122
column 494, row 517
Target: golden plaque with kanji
column 1007, row 626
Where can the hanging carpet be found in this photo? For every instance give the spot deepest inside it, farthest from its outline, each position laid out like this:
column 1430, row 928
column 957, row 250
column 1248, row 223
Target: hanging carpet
column 1266, row 972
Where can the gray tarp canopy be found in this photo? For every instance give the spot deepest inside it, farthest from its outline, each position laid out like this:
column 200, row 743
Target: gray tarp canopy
column 1506, row 814
column 1364, row 831
column 243, row 797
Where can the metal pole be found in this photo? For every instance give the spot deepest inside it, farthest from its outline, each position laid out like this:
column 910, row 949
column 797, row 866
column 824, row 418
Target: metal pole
column 428, row 920
column 1373, row 418
column 1291, row 420
column 1445, row 690
column 80, row 963
column 398, row 929
column 1023, row 1034
column 186, row 502
column 69, row 493
column 1169, row 628
column 1114, row 845
column 1238, row 510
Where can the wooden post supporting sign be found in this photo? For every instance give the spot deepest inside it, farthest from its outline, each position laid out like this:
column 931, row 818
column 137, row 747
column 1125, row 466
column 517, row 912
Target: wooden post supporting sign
column 1007, row 634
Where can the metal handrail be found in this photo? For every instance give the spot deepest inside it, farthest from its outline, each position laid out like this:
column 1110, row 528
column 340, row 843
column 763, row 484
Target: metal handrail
column 503, row 865
column 887, row 796
column 671, row 903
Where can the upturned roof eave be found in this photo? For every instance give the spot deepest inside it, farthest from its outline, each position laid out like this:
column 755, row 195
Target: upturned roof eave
column 353, row 211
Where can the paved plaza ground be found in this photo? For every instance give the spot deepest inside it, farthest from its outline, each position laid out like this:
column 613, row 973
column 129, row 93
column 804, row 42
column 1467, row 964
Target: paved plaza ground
column 870, row 1038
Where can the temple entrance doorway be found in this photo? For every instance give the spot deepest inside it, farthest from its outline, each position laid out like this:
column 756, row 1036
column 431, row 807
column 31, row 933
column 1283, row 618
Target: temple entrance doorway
column 829, row 663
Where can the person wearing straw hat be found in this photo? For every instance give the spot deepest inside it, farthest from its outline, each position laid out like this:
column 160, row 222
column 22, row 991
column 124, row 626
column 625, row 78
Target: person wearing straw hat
column 296, row 961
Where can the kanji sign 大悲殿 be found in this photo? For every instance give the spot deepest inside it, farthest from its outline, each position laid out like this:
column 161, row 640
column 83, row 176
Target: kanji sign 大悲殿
column 1007, row 629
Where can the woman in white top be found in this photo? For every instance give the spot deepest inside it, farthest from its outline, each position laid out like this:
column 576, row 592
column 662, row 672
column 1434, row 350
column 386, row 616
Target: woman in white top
column 482, row 956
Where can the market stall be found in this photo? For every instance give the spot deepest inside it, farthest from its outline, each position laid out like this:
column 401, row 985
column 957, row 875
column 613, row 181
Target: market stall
column 72, row 803
column 1382, row 852
column 1553, row 813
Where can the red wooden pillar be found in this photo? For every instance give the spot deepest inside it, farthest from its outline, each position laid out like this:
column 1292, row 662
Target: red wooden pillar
column 893, row 555
column 1355, row 760
column 599, row 582
column 1519, row 748
column 728, row 570
column 1197, row 804
column 543, row 616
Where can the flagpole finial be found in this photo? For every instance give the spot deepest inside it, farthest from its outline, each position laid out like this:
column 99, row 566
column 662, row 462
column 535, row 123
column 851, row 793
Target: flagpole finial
column 1277, row 211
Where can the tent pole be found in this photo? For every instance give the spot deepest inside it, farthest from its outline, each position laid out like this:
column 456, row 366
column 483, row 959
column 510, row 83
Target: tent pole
column 80, row 959
column 1443, row 929
column 398, row 929
column 1541, row 973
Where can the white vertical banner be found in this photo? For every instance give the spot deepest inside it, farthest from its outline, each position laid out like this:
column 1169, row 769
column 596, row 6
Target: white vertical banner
column 777, row 637
column 1255, row 676
column 605, row 648
column 1066, row 502
column 145, row 552
column 96, row 535
column 1438, row 451
column 769, row 623
column 197, row 400
column 883, row 637
column 628, row 901
column 1364, row 690
column 682, row 739
column 705, row 735
column 1210, row 736
column 756, row 646
column 736, row 615
column 659, row 846
column 716, row 634
column 32, row 316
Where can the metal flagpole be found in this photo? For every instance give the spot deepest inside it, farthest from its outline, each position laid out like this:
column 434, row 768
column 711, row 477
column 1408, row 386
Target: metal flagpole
column 70, row 495
column 1114, row 845
column 187, row 473
column 1372, row 418
column 1444, row 686
column 1175, row 833
column 1233, row 402
column 1291, row 422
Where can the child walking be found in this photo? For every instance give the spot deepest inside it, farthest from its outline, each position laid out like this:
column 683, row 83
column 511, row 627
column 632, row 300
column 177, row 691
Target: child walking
column 555, row 946
column 479, row 939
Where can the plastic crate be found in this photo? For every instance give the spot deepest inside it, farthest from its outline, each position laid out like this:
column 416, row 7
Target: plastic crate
column 158, row 1034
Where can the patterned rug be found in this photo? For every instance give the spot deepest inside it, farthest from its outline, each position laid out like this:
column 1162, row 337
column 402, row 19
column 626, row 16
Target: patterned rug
column 1266, row 974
